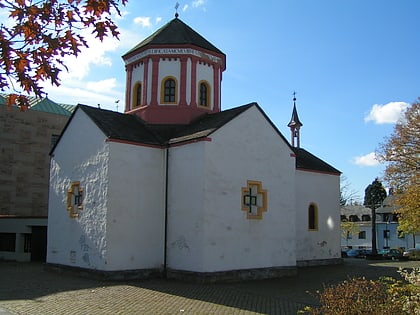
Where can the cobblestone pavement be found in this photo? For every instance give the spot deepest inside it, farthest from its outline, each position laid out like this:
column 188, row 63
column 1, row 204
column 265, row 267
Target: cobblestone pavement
column 28, row 288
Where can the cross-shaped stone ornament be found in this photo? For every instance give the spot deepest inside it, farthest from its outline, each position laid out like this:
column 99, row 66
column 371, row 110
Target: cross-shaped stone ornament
column 254, row 200
column 74, row 199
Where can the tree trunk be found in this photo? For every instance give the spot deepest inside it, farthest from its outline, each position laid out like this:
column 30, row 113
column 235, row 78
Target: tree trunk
column 374, row 249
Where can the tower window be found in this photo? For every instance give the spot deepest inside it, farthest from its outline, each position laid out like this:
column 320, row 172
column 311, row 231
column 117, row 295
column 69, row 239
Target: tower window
column 137, row 95
column 312, row 218
column 169, row 91
column 204, row 94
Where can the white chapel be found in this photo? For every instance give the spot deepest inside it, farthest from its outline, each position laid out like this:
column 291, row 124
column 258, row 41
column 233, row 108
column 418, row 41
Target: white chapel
column 178, row 187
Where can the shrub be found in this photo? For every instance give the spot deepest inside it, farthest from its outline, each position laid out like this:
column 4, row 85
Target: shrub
column 385, row 296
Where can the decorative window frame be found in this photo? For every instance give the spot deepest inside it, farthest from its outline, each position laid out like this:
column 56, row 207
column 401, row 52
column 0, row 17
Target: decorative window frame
column 75, row 199
column 254, row 200
column 136, row 102
column 162, row 90
column 208, row 94
column 313, row 217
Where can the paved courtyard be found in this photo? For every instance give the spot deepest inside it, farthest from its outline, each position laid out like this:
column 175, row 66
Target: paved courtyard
column 28, row 288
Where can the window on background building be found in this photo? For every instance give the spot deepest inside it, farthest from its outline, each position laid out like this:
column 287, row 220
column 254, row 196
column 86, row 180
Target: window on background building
column 362, row 235
column 27, row 243
column 137, row 95
column 169, row 91
column 204, row 94
column 312, row 218
column 354, row 218
column 7, row 242
column 366, row 217
column 386, row 233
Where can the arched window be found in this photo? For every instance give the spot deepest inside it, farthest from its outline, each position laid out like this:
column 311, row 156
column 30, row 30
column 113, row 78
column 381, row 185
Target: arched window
column 204, row 94
column 169, row 90
column 137, row 95
column 312, row 218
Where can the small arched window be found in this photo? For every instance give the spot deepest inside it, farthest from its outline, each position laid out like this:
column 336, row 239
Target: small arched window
column 169, row 91
column 137, row 95
column 204, row 94
column 312, row 218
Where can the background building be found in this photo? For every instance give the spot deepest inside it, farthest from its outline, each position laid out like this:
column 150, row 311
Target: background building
column 26, row 139
column 387, row 234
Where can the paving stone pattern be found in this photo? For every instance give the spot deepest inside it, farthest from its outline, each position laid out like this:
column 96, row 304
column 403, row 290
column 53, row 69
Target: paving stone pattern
column 28, row 288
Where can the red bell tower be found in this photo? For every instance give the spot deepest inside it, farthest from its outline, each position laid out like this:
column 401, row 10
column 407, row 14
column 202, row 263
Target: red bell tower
column 173, row 76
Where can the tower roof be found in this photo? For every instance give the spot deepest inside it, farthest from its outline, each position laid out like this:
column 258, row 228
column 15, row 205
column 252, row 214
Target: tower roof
column 294, row 121
column 176, row 32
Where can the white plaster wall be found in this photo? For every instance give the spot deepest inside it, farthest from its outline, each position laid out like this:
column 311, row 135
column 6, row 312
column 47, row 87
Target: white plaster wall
column 169, row 68
column 137, row 76
column 205, row 72
column 213, row 232
column 81, row 155
column 135, row 221
column 185, row 206
column 324, row 191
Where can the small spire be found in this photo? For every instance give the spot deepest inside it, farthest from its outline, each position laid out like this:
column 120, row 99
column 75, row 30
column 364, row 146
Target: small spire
column 176, row 10
column 294, row 121
column 295, row 125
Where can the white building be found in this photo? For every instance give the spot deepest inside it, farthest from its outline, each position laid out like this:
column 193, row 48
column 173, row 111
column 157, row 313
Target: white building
column 387, row 234
column 177, row 186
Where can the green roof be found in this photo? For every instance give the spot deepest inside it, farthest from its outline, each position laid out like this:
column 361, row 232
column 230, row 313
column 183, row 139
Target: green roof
column 45, row 105
column 48, row 106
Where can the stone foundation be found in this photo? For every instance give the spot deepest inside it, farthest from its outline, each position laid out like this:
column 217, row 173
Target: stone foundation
column 118, row 275
column 198, row 277
column 232, row 275
column 319, row 262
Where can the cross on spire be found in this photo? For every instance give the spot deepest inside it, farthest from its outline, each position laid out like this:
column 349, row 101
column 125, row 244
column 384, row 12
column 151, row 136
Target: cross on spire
column 176, row 9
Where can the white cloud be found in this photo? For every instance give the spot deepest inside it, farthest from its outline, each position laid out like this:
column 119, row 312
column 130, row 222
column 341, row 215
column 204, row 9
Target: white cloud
column 185, row 8
column 102, row 86
column 198, row 3
column 158, row 19
column 386, row 114
column 95, row 54
column 366, row 160
column 78, row 93
column 144, row 21
column 124, row 13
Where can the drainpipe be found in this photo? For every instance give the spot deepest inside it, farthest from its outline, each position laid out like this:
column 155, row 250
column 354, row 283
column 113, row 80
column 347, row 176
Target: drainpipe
column 165, row 253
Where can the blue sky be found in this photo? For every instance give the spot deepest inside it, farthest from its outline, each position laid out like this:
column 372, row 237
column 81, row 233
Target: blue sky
column 354, row 65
